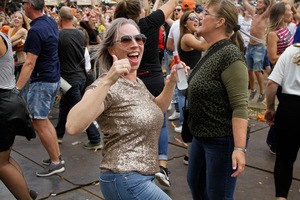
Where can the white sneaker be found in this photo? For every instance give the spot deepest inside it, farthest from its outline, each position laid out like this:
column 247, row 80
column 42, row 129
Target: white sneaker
column 163, row 176
column 175, row 115
column 170, row 107
column 178, row 129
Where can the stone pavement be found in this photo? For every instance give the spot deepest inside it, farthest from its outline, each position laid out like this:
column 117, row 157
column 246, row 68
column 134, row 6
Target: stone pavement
column 80, row 180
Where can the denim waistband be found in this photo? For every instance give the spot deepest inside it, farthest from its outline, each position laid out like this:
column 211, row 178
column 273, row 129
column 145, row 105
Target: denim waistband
column 260, row 44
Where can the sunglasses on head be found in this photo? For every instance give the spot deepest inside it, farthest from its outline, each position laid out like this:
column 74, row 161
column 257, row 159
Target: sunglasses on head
column 193, row 18
column 127, row 39
column 177, row 9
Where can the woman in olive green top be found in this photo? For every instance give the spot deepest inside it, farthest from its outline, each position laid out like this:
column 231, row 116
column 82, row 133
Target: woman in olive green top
column 218, row 113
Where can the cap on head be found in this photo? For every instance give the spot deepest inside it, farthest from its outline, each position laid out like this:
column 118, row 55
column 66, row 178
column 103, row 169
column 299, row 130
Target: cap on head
column 188, row 4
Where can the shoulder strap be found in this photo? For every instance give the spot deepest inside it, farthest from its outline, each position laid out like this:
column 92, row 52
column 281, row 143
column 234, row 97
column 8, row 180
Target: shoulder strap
column 206, row 56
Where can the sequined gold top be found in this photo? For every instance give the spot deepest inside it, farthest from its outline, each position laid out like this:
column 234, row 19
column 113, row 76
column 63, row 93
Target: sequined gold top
column 131, row 124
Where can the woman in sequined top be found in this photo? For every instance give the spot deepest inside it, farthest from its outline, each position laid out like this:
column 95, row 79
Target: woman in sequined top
column 130, row 117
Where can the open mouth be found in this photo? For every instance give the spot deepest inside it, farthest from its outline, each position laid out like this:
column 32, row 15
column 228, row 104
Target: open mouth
column 133, row 57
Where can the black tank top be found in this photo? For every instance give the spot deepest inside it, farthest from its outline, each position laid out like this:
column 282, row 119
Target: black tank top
column 189, row 57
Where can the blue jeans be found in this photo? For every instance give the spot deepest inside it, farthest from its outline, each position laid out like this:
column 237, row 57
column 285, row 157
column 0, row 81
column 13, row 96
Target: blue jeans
column 120, row 186
column 41, row 97
column 67, row 101
column 255, row 57
column 167, row 54
column 181, row 100
column 175, row 99
column 163, row 141
column 210, row 168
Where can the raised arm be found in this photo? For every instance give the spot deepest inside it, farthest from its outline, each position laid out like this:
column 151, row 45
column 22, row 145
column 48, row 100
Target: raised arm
column 155, row 6
column 91, row 105
column 93, row 4
column 189, row 41
column 268, row 10
column 169, row 7
column 249, row 7
column 295, row 13
column 290, row 2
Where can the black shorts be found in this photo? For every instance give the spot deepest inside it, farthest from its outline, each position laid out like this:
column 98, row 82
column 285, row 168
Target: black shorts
column 14, row 118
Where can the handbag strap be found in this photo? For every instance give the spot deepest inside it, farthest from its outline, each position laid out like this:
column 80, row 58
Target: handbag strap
column 204, row 58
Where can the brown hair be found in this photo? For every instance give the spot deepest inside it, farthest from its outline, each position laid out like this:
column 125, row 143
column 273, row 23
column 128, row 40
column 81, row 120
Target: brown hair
column 183, row 29
column 276, row 13
column 129, row 9
column 227, row 10
column 25, row 20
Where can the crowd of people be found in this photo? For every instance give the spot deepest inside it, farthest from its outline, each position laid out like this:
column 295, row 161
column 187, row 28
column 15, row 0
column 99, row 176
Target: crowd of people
column 107, row 60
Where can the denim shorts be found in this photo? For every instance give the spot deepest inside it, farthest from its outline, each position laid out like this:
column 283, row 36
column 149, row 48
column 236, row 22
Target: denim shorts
column 255, row 57
column 41, row 97
column 133, row 185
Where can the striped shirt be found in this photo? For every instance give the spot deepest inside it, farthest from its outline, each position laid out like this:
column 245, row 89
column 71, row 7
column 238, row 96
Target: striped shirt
column 286, row 39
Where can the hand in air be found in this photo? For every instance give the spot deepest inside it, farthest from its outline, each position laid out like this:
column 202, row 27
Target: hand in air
column 119, row 67
column 173, row 75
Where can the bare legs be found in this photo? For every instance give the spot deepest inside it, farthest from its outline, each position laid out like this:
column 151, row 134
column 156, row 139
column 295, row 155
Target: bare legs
column 47, row 134
column 162, row 163
column 12, row 176
column 260, row 80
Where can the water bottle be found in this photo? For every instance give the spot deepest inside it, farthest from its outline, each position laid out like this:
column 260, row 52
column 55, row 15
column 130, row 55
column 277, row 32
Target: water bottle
column 182, row 81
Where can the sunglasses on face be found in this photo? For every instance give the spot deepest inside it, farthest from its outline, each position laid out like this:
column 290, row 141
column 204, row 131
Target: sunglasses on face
column 193, row 18
column 177, row 9
column 127, row 39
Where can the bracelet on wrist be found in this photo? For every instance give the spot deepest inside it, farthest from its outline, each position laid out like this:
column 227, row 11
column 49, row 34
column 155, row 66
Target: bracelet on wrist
column 240, row 149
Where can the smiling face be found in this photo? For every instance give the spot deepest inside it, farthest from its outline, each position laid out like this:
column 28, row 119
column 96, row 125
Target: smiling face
column 132, row 50
column 18, row 19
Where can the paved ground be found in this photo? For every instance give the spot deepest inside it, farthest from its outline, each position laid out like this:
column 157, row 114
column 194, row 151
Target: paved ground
column 80, row 180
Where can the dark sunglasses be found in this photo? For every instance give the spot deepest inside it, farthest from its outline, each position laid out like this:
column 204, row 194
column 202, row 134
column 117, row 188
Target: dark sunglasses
column 25, row 2
column 177, row 9
column 193, row 18
column 126, row 39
